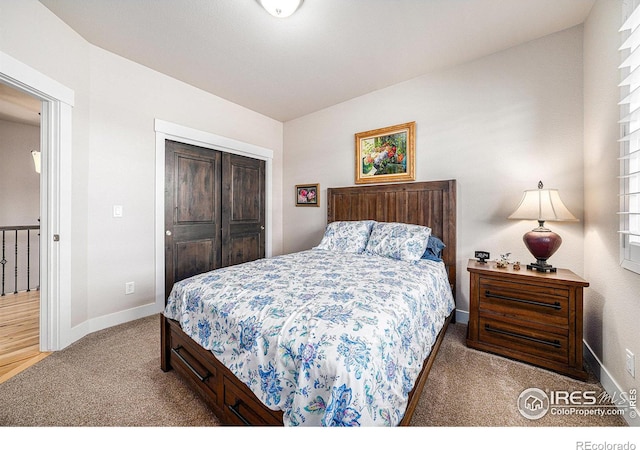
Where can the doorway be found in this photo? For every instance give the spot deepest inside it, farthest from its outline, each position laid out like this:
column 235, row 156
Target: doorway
column 19, row 231
column 55, row 197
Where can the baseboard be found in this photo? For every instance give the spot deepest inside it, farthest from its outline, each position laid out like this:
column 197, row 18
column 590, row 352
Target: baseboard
column 110, row 320
column 608, row 383
column 462, row 316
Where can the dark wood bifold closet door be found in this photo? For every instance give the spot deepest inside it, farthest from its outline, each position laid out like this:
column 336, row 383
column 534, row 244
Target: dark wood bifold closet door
column 243, row 209
column 192, row 211
column 214, row 210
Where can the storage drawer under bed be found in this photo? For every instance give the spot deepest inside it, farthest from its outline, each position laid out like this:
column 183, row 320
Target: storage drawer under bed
column 242, row 407
column 230, row 399
column 186, row 357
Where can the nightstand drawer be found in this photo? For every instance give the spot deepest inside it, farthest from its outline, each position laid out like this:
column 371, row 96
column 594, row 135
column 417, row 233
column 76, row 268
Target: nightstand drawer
column 537, row 303
column 509, row 337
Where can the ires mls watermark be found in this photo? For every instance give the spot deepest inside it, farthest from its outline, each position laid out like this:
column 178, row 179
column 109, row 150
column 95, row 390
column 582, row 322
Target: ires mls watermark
column 534, row 403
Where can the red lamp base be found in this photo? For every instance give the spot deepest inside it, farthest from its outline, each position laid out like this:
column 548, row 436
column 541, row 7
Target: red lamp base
column 542, row 243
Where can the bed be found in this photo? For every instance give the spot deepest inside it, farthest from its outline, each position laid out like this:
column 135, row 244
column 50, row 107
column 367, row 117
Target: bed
column 343, row 334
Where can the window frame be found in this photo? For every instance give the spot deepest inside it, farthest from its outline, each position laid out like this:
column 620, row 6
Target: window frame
column 629, row 150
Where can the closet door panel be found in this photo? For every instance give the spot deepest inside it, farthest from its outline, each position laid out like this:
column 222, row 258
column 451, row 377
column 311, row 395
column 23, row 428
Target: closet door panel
column 245, row 248
column 243, row 209
column 195, row 190
column 192, row 211
column 193, row 257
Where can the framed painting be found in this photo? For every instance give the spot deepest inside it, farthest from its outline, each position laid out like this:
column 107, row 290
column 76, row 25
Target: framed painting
column 308, row 195
column 386, row 154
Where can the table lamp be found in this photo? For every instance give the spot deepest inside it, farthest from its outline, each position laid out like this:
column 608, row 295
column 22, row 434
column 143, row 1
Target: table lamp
column 542, row 205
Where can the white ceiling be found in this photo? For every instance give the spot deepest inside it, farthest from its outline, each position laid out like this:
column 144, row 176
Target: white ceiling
column 328, row 52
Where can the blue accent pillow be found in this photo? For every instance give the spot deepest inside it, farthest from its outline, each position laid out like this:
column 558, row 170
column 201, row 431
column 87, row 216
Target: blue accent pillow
column 434, row 249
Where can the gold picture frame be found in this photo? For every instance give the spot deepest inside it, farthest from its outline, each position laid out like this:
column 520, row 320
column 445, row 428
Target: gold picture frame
column 386, row 154
column 308, row 194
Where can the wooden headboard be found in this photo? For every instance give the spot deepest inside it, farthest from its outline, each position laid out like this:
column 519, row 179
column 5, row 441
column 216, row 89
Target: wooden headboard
column 428, row 203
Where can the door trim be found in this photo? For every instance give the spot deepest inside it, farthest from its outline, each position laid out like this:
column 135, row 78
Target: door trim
column 55, row 197
column 174, row 132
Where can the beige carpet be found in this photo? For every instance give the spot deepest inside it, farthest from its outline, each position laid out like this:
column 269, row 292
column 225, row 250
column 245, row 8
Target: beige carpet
column 113, row 378
column 467, row 387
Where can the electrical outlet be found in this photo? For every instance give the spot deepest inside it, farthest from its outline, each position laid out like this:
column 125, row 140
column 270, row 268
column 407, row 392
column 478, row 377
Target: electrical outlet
column 129, row 288
column 631, row 366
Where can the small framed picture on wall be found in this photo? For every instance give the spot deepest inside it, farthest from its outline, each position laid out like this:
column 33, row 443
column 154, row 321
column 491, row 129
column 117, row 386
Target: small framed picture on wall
column 308, row 194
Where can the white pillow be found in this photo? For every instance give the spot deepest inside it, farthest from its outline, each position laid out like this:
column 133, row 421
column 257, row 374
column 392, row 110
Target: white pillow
column 398, row 240
column 348, row 236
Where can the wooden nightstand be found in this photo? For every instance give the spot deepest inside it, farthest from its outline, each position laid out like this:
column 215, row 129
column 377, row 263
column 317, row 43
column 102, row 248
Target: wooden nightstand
column 531, row 316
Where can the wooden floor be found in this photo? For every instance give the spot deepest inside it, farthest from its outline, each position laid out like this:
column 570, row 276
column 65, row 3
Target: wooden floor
column 19, row 333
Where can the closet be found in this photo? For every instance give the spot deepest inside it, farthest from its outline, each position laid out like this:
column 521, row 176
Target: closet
column 214, row 210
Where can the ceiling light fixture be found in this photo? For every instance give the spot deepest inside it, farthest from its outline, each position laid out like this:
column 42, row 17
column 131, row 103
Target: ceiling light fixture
column 280, row 8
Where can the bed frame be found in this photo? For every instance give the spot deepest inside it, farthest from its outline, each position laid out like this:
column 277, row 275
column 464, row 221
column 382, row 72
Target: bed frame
column 430, row 203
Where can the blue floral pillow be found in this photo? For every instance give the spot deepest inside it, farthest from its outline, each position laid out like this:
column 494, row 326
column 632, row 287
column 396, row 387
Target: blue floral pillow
column 346, row 236
column 398, row 240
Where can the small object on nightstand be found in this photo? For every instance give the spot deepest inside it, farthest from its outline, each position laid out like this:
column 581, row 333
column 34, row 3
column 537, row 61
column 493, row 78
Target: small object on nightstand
column 482, row 256
column 516, row 265
column 503, row 262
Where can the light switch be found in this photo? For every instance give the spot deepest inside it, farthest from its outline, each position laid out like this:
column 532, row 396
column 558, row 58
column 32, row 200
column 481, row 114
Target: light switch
column 117, row 210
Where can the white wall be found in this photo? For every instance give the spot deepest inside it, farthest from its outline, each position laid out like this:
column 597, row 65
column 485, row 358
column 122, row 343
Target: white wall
column 612, row 301
column 497, row 125
column 113, row 156
column 124, row 102
column 19, row 182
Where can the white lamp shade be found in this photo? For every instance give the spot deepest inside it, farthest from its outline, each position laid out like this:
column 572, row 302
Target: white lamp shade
column 280, row 8
column 542, row 204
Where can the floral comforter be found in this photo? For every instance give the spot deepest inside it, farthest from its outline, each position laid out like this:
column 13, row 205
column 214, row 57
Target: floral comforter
column 332, row 339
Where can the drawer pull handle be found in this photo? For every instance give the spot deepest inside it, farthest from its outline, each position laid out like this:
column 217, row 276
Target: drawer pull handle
column 235, row 411
column 491, row 329
column 176, row 351
column 555, row 305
